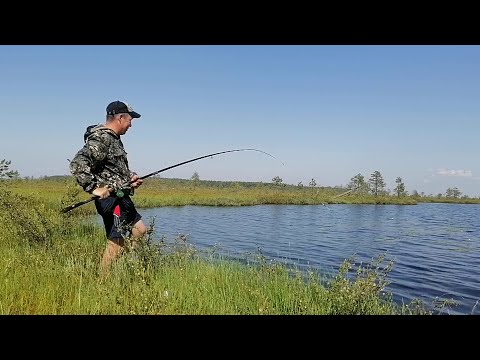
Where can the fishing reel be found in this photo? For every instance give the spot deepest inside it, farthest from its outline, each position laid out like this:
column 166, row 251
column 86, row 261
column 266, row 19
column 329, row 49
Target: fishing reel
column 123, row 190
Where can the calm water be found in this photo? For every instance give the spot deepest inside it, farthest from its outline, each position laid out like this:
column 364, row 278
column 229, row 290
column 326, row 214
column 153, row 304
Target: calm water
column 435, row 247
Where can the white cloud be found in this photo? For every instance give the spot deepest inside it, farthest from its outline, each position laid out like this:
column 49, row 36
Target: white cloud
column 447, row 172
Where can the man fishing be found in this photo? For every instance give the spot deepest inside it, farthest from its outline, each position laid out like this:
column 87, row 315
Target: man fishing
column 101, row 168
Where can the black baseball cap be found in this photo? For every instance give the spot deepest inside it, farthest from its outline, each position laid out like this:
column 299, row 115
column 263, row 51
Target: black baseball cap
column 121, row 107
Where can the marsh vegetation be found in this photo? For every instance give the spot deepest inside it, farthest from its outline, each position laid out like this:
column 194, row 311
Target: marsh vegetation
column 50, row 261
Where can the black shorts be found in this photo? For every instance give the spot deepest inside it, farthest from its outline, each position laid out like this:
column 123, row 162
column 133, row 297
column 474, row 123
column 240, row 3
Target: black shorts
column 118, row 214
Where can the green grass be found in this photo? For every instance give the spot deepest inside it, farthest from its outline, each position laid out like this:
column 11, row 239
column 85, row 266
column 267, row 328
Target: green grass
column 49, row 265
column 64, row 280
column 57, row 192
column 157, row 192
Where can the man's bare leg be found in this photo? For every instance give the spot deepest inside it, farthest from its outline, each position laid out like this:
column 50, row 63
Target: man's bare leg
column 115, row 247
column 138, row 230
column 112, row 251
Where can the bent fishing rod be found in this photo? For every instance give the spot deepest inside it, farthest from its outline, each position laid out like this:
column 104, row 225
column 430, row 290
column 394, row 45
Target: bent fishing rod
column 71, row 207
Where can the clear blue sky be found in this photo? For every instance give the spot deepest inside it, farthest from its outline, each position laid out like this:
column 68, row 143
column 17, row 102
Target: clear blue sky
column 326, row 112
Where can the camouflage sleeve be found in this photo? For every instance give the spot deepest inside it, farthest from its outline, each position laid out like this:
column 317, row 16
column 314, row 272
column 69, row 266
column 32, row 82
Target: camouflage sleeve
column 80, row 168
column 131, row 190
column 84, row 166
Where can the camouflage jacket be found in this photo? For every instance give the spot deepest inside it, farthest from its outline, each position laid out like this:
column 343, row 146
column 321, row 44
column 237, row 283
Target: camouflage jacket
column 101, row 161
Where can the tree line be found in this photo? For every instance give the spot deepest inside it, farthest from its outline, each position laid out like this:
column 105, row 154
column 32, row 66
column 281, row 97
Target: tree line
column 376, row 186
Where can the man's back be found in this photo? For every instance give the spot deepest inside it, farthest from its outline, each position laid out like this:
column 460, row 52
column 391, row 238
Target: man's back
column 101, row 161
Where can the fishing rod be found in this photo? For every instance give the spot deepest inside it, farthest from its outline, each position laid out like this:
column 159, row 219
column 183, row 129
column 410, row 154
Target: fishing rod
column 344, row 193
column 71, row 207
column 336, row 196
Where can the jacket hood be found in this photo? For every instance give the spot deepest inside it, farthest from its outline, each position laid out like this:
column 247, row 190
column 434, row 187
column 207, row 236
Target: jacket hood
column 91, row 129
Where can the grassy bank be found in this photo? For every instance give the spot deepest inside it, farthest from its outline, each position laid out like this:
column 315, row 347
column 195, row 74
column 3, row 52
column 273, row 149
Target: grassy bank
column 158, row 192
column 50, row 260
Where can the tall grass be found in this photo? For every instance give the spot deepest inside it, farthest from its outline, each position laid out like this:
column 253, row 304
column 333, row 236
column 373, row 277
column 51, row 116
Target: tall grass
column 49, row 265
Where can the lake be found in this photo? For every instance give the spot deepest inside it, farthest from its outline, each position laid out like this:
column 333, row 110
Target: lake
column 435, row 247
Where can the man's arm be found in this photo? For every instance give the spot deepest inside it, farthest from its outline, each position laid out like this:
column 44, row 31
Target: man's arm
column 80, row 168
column 87, row 161
column 97, row 150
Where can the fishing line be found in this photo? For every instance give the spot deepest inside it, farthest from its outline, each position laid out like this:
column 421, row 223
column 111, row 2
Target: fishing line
column 120, row 193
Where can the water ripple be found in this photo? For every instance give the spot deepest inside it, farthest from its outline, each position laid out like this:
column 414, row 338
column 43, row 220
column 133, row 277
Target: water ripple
column 435, row 247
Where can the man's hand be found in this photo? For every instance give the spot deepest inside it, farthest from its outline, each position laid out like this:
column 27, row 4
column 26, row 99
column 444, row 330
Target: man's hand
column 136, row 181
column 102, row 192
